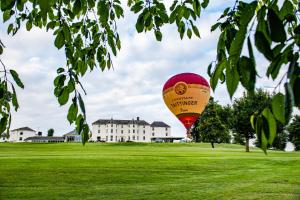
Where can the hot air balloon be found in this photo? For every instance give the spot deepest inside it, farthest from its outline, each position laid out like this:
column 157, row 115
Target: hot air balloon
column 186, row 95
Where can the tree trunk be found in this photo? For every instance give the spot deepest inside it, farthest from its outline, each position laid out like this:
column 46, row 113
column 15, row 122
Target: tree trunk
column 247, row 145
column 212, row 145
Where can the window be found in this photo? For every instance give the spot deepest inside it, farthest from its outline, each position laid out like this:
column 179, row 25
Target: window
column 111, row 138
column 133, row 131
column 20, row 138
column 144, row 138
column 116, row 130
column 122, row 131
column 133, row 125
column 166, row 128
column 137, row 137
column 122, row 126
column 128, row 138
column 98, row 139
column 21, row 133
column 144, row 126
column 153, row 134
column 106, row 138
column 111, row 125
column 128, row 131
column 166, row 134
column 144, row 131
column 99, row 125
column 111, row 131
column 152, row 128
column 106, row 131
column 98, row 131
column 116, row 138
column 133, row 137
column 3, row 138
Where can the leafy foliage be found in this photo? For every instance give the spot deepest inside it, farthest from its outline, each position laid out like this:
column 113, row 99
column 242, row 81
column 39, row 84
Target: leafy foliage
column 50, row 132
column 294, row 132
column 209, row 127
column 246, row 106
column 276, row 33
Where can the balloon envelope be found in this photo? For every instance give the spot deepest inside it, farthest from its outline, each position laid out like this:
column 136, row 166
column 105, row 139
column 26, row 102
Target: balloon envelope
column 186, row 95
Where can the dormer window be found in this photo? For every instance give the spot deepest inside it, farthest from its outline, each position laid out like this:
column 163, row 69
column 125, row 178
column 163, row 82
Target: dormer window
column 21, row 133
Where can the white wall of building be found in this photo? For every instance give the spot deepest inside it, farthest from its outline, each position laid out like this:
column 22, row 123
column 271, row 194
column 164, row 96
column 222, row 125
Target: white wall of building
column 112, row 132
column 20, row 135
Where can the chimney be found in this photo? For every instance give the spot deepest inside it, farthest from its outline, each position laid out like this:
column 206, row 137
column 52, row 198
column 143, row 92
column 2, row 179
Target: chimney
column 137, row 118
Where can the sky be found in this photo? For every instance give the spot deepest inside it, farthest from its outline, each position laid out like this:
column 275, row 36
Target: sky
column 132, row 89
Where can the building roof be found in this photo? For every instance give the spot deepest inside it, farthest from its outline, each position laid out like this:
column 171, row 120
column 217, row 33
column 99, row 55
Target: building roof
column 3, row 135
column 23, row 129
column 159, row 124
column 45, row 138
column 118, row 121
column 71, row 133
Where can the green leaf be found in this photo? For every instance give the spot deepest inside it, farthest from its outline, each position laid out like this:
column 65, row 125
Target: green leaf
column 196, row 31
column 28, row 25
column 16, row 78
column 3, row 124
column 81, row 104
column 205, row 3
column 103, row 11
column 288, row 102
column 77, row 7
column 14, row 98
column 72, row 113
column 197, row 7
column 247, row 73
column 140, row 24
column 59, row 40
column 232, row 79
column 79, row 123
column 286, row 9
column 278, row 107
column 215, row 26
column 271, row 124
column 6, row 15
column 263, row 45
column 276, row 27
column 217, row 73
column 189, row 33
column 7, row 4
column 237, row 45
column 158, row 35
column 64, row 96
column 85, row 133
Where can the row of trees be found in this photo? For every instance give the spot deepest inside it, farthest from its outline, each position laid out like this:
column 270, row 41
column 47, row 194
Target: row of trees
column 221, row 124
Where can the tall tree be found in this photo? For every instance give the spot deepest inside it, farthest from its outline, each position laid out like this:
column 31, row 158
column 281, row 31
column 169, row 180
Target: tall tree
column 209, row 127
column 50, row 132
column 87, row 32
column 294, row 132
column 243, row 109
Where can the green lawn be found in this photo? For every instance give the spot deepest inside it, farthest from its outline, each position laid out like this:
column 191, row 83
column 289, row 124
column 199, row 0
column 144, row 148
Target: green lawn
column 146, row 171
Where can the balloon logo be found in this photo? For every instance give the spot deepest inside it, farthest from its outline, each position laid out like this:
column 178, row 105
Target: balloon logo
column 186, row 95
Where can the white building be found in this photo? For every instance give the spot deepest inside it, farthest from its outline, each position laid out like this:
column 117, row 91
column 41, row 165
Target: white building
column 111, row 130
column 20, row 134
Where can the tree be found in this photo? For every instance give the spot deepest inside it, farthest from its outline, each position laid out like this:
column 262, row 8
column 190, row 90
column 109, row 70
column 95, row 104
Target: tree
column 209, row 127
column 87, row 31
column 243, row 109
column 50, row 132
column 294, row 132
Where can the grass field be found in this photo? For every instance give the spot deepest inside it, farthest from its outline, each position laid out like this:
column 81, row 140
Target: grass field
column 145, row 171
